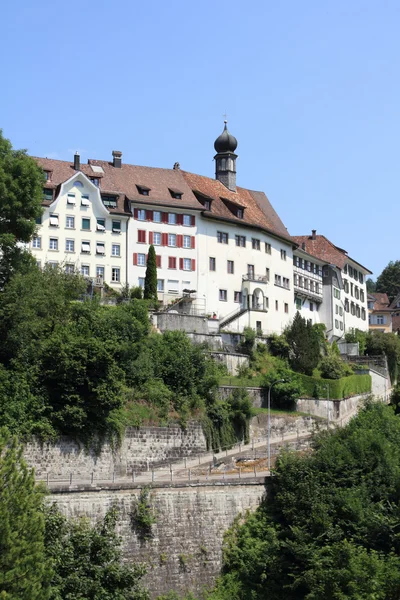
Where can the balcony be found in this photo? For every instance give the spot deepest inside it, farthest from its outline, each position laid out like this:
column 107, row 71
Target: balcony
column 255, row 278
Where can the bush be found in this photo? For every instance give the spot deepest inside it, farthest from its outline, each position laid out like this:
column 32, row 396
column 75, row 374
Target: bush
column 284, row 394
column 332, row 367
column 278, row 346
column 345, row 387
column 246, row 344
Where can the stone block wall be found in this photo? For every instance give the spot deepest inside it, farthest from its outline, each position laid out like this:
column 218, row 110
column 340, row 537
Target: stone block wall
column 185, row 551
column 256, row 394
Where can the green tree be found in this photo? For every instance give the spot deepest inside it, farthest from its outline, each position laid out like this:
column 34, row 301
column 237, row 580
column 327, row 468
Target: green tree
column 303, row 339
column 327, row 527
column 371, row 285
column 21, row 191
column 87, row 558
column 25, row 571
column 150, row 282
column 389, row 280
column 357, row 335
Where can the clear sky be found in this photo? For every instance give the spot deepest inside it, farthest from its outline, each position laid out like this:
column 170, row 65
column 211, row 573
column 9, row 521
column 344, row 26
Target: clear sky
column 311, row 90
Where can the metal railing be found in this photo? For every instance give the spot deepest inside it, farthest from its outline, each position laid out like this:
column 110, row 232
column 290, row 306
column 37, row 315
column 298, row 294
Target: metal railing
column 254, row 277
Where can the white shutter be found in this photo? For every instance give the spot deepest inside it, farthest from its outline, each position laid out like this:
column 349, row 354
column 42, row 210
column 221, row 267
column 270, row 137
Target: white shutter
column 85, row 201
column 100, row 248
column 71, row 199
column 85, row 247
column 100, row 227
column 53, row 220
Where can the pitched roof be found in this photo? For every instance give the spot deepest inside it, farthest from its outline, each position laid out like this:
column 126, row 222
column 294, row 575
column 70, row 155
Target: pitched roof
column 125, row 181
column 381, row 301
column 325, row 250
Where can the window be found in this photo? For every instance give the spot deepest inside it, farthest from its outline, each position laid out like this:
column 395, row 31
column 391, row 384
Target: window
column 156, row 239
column 101, row 225
column 283, row 254
column 100, row 249
column 341, row 326
column 172, row 218
column 53, row 244
column 85, row 248
column 47, row 195
column 116, row 226
column 306, row 283
column 286, row 307
column 266, row 301
column 171, row 262
column 356, row 292
column 301, row 281
column 312, row 286
column 115, row 274
column 173, row 286
column 267, row 273
column 341, row 311
column 157, row 216
column 358, row 311
column 255, row 244
column 212, row 263
column 276, row 305
column 295, row 279
column 141, row 236
column 336, row 293
column 336, row 309
column 86, row 224
column 160, row 285
column 363, row 314
column 240, row 213
column 47, row 175
column 230, row 267
column 187, row 241
column 207, row 204
column 141, row 214
column 95, row 181
column 362, row 296
column 286, row 283
column 109, row 201
column 37, row 242
column 52, row 264
column 54, row 220
column 71, row 199
column 141, row 260
column 240, row 240
column 355, row 274
column 250, row 271
column 70, row 222
column 346, row 305
column 141, row 282
column 311, row 306
column 85, row 200
column 222, row 237
column 100, row 272
column 176, row 194
column 85, row 270
column 336, row 324
column 258, row 327
column 352, row 309
column 38, row 221
column 267, row 248
column 237, row 297
column 317, row 290
column 278, row 280
column 143, row 191
column 187, row 220
column 223, row 295
column 360, row 278
column 171, row 239
column 69, row 245
column 69, row 268
column 351, row 271
column 187, row 264
column 298, row 304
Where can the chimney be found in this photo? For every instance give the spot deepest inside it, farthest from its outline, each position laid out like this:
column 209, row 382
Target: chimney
column 313, row 234
column 117, row 159
column 77, row 161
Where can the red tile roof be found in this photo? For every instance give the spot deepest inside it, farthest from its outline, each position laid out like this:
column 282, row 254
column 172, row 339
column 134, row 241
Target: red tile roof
column 323, row 249
column 381, row 301
column 125, row 181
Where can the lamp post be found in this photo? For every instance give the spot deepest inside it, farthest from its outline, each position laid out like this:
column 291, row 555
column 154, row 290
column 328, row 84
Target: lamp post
column 269, row 421
column 327, row 405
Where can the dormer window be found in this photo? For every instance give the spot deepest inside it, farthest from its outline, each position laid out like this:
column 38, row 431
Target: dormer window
column 143, row 191
column 176, row 194
column 95, row 180
column 109, row 201
column 207, row 204
column 240, row 213
column 47, row 175
column 47, row 195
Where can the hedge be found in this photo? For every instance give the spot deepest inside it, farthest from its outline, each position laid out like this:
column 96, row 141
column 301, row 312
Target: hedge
column 338, row 388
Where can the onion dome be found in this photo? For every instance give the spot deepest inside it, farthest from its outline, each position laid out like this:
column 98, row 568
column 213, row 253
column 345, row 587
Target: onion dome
column 226, row 142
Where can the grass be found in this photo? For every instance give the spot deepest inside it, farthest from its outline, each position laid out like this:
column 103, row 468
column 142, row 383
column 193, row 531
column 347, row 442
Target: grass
column 241, row 381
column 278, row 412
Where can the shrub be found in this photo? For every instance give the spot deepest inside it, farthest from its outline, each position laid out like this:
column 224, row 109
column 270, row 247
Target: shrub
column 332, row 367
column 278, row 346
column 345, row 387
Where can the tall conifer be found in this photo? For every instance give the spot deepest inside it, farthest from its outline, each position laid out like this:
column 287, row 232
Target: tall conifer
column 150, row 282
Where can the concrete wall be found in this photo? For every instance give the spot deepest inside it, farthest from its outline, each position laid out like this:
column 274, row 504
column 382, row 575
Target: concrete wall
column 171, row 321
column 232, row 361
column 340, row 411
column 184, row 553
column 140, row 447
column 381, row 386
column 288, row 426
column 257, row 394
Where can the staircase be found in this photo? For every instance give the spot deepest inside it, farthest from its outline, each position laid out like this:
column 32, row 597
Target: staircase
column 232, row 317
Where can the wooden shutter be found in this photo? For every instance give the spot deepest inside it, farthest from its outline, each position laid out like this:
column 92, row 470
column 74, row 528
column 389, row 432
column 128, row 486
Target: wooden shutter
column 193, row 244
column 135, row 258
column 136, row 213
column 141, row 236
column 151, row 237
column 164, row 239
column 179, row 241
column 179, row 219
column 193, row 220
column 171, row 262
column 193, row 264
column 181, row 263
column 158, row 261
column 164, row 217
column 149, row 215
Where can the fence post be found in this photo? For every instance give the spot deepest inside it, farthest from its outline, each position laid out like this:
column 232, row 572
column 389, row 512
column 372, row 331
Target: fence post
column 185, row 461
column 113, row 476
column 189, row 474
column 252, row 443
column 172, row 475
column 255, row 471
column 47, row 479
column 152, row 474
column 133, row 476
column 92, row 477
column 70, row 478
column 240, row 473
column 199, row 459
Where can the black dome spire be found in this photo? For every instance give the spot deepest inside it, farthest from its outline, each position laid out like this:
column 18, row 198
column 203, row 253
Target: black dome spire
column 226, row 142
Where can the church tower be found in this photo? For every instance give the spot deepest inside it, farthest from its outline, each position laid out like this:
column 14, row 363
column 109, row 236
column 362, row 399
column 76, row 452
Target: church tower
column 225, row 159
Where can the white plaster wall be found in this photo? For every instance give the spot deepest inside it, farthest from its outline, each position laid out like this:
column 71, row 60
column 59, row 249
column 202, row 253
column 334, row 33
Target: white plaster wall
column 95, row 210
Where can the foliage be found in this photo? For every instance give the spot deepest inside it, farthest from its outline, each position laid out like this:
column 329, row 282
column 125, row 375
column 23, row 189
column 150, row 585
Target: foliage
column 25, row 572
column 389, row 280
column 333, row 367
column 328, row 525
column 150, row 282
column 371, row 285
column 352, row 385
column 87, row 559
column 385, row 343
column 304, row 345
column 356, row 335
column 246, row 344
column 21, row 183
column 285, row 393
column 143, row 516
column 278, row 346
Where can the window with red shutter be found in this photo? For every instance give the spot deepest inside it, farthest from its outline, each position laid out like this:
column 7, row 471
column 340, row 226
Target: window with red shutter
column 158, row 261
column 179, row 241
column 141, row 236
column 193, row 243
column 149, row 215
column 164, row 239
column 171, row 262
column 135, row 258
column 135, row 213
column 179, row 219
column 151, row 237
column 164, row 217
column 193, row 264
column 193, row 220
column 181, row 264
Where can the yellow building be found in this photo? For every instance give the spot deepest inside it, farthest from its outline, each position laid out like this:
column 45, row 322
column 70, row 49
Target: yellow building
column 380, row 312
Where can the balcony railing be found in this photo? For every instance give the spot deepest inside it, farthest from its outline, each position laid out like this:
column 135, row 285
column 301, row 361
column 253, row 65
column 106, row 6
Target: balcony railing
column 254, row 277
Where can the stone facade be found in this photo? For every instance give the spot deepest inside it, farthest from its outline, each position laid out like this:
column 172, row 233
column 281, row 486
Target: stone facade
column 185, row 550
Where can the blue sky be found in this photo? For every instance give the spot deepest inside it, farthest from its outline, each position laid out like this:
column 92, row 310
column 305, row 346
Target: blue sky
column 311, row 89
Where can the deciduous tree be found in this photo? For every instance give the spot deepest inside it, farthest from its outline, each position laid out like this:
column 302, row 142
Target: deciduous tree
column 389, row 280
